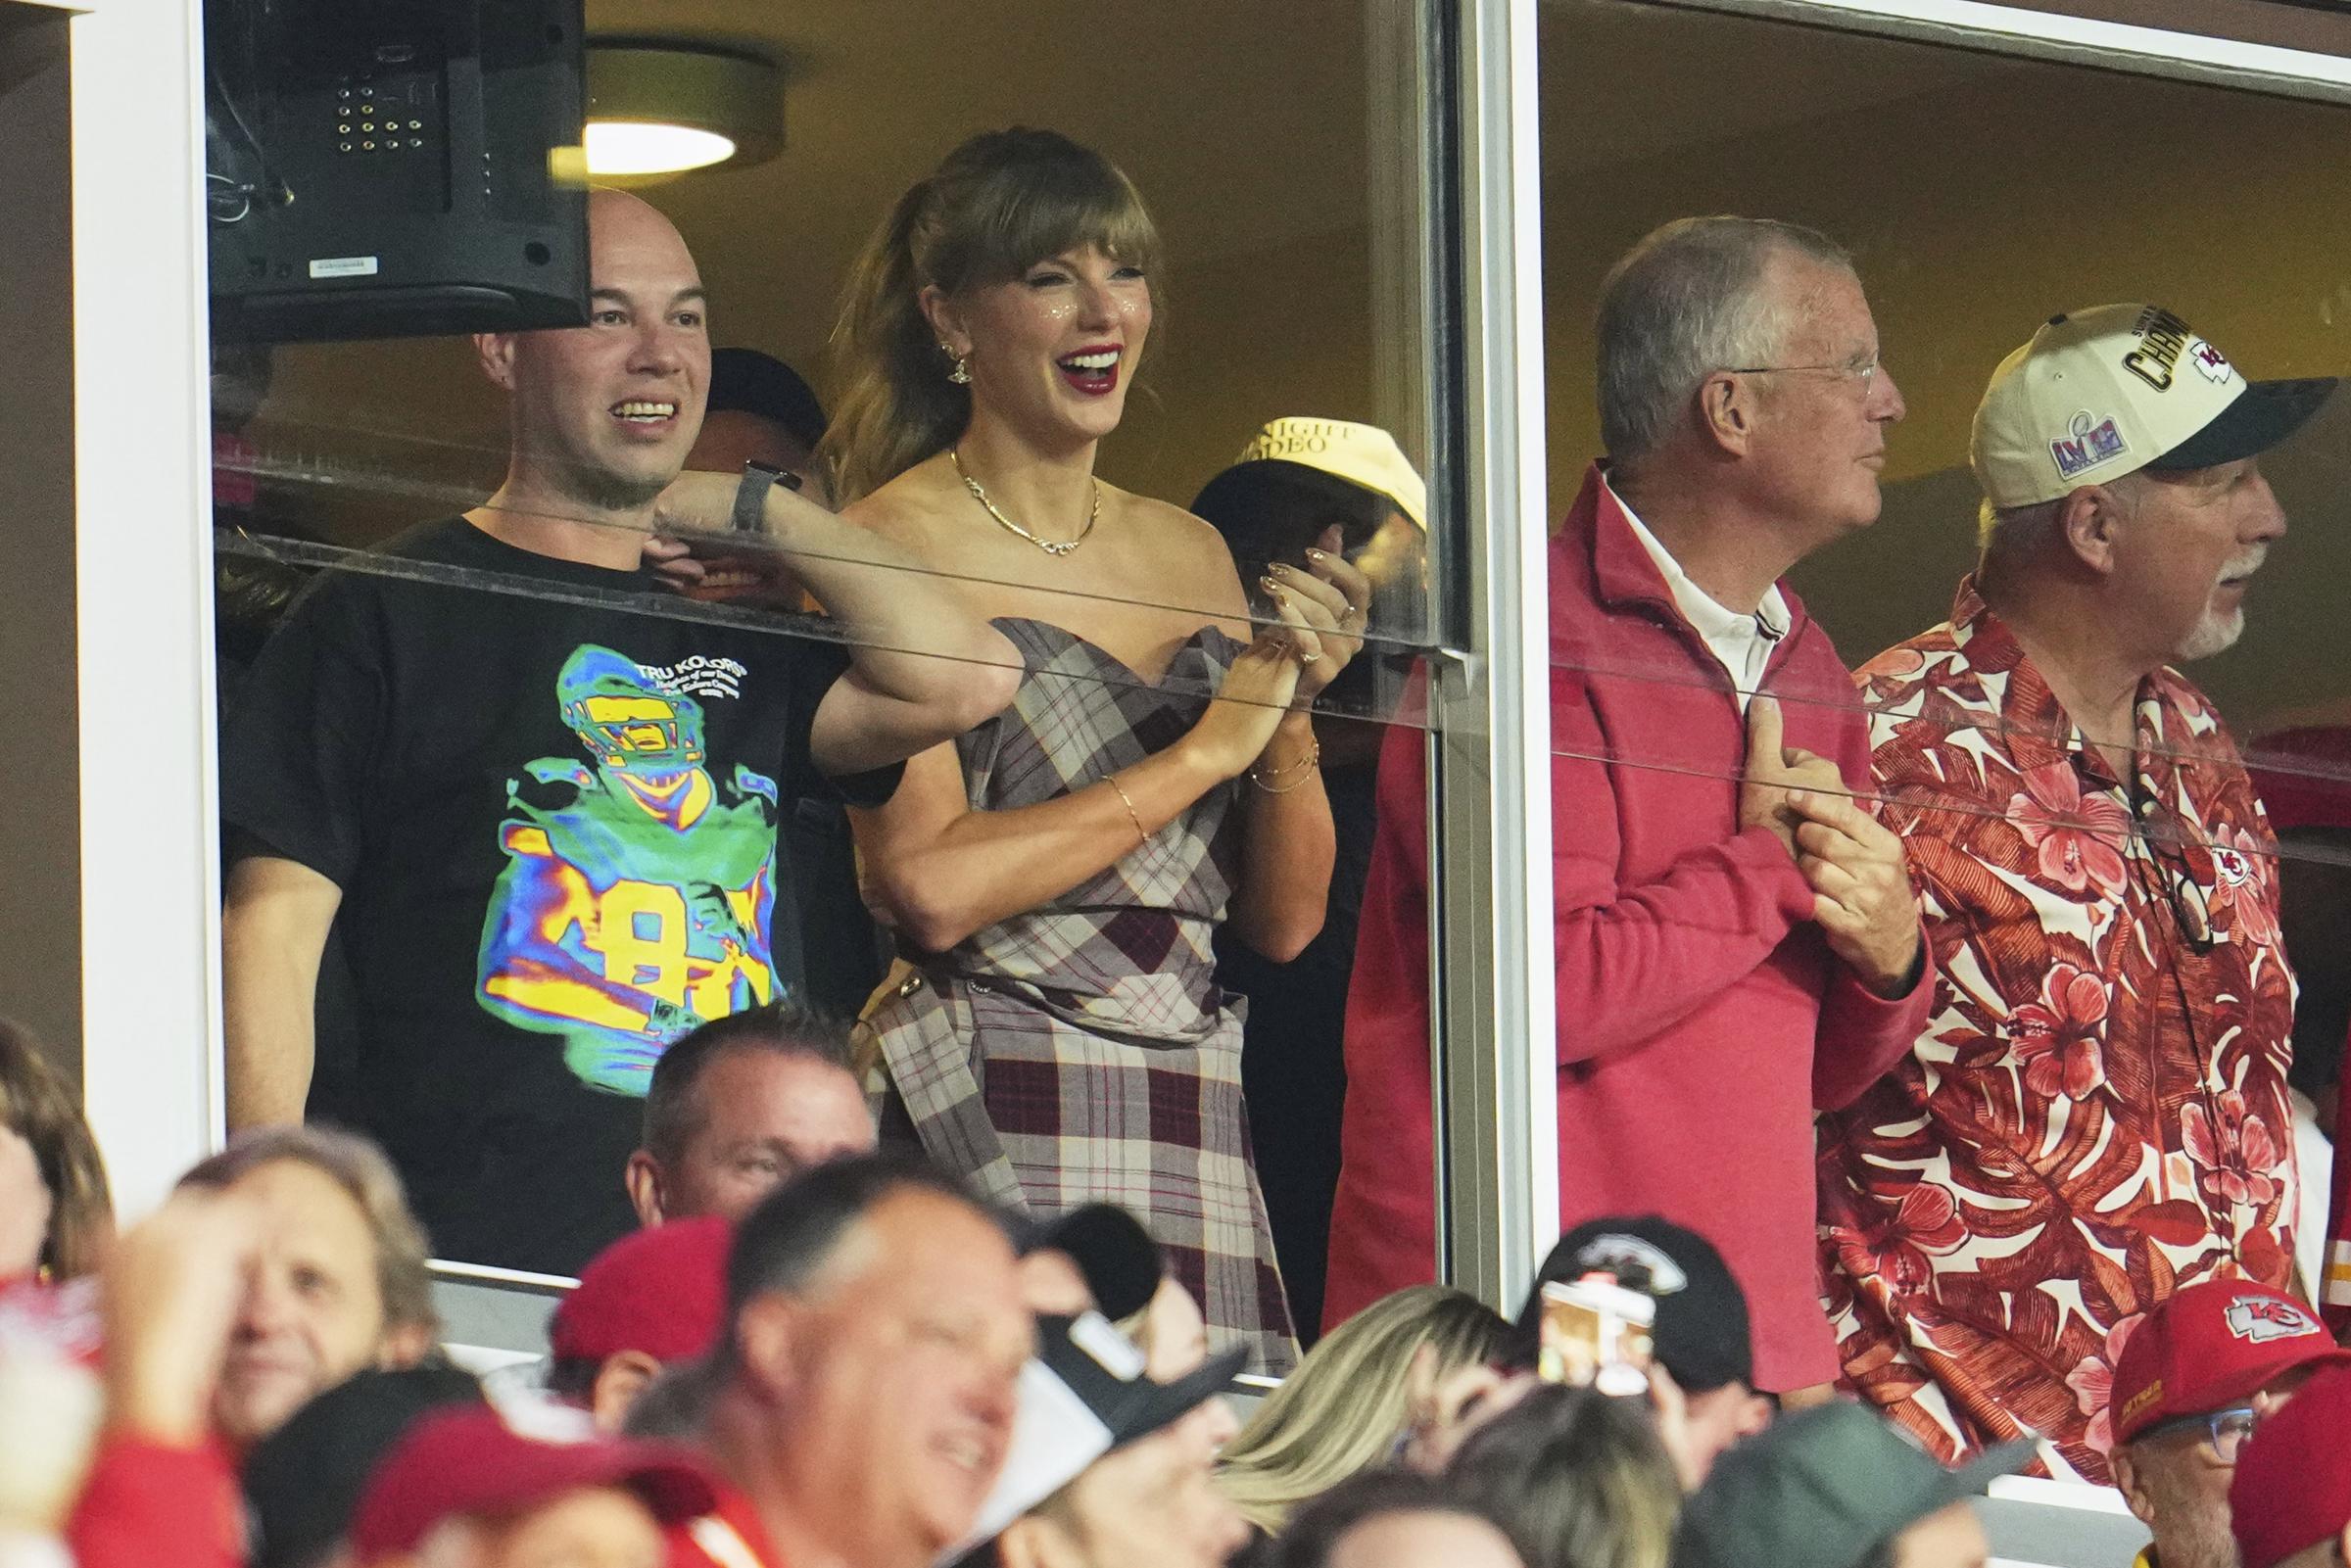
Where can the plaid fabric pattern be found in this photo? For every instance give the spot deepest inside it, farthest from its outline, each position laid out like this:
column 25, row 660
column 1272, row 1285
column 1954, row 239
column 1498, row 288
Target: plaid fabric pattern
column 1082, row 1052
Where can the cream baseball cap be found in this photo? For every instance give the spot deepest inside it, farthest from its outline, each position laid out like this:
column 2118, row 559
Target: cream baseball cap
column 2105, row 391
column 1363, row 455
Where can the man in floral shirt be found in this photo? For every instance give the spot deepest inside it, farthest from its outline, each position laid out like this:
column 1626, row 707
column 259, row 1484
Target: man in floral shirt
column 2096, row 1111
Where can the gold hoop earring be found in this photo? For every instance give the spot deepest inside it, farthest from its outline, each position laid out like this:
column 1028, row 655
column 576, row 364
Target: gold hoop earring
column 960, row 372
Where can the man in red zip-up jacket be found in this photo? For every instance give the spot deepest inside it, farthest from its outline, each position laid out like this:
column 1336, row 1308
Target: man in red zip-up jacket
column 1735, row 941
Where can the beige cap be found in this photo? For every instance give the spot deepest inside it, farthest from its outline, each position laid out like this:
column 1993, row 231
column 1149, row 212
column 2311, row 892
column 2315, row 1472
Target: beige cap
column 2105, row 391
column 1362, row 454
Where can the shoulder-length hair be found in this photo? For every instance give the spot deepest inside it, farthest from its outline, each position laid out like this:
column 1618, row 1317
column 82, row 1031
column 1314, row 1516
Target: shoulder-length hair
column 1339, row 1413
column 36, row 1105
column 403, row 1273
column 998, row 205
column 1576, row 1478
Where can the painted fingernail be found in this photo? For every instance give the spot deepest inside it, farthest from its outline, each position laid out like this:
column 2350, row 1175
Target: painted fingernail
column 1312, row 555
column 1269, row 584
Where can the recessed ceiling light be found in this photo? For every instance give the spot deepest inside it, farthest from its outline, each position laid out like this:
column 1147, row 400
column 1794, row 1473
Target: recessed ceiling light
column 625, row 147
column 657, row 107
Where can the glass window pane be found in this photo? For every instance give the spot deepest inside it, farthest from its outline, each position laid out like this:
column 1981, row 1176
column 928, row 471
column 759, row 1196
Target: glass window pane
column 2120, row 886
column 564, row 814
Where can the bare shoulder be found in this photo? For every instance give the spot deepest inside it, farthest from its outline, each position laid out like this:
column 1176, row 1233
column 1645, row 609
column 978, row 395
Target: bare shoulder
column 1189, row 549
column 910, row 511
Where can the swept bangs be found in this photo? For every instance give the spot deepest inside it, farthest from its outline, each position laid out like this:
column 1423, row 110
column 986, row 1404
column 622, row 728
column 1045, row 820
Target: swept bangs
column 1019, row 216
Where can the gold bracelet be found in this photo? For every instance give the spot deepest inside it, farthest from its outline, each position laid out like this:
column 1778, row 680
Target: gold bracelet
column 1304, row 765
column 1140, row 837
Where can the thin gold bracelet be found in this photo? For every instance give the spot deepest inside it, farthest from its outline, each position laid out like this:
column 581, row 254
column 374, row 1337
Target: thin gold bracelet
column 1140, row 837
column 1304, row 765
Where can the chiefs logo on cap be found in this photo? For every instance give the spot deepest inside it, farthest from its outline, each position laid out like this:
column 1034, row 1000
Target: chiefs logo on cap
column 2259, row 1319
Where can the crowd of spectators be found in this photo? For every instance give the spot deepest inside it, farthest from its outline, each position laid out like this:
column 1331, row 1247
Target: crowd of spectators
column 1924, row 1033
column 873, row 1369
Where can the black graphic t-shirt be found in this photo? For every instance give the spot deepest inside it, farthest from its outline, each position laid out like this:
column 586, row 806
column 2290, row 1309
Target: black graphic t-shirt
column 554, row 828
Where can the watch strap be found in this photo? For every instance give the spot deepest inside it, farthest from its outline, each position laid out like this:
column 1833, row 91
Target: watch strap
column 750, row 496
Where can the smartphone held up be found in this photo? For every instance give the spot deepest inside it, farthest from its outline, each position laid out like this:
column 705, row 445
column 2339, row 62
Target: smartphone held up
column 1597, row 1332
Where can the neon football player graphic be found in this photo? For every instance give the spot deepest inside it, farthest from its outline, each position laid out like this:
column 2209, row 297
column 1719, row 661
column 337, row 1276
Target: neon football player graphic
column 638, row 892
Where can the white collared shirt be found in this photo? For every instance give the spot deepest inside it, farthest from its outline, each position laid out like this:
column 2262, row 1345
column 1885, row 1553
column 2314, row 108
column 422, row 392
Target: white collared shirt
column 1740, row 644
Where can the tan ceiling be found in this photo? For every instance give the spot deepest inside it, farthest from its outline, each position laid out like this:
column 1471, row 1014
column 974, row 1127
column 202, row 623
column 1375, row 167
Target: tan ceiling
column 1979, row 194
column 1242, row 123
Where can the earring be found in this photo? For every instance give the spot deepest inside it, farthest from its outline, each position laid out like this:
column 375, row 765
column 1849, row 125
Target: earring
column 961, row 371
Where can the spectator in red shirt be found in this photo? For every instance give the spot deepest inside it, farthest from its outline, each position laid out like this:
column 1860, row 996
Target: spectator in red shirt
column 874, row 1338
column 283, row 1265
column 1736, row 938
column 652, row 1300
column 466, row 1489
column 2096, row 1110
column 2197, row 1375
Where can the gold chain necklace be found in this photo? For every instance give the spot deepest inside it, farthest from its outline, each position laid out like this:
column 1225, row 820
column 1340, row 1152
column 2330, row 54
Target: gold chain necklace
column 1050, row 546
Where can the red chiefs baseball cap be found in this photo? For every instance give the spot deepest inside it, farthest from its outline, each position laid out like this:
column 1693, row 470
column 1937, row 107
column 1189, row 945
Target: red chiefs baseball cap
column 2292, row 1488
column 472, row 1462
column 2213, row 1345
column 662, row 1291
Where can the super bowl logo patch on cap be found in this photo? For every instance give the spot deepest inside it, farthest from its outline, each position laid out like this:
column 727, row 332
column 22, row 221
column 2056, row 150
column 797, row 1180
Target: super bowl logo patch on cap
column 2088, row 443
column 2259, row 1319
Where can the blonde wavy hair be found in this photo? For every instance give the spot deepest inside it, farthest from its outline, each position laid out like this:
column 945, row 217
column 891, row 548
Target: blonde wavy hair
column 1339, row 1413
column 998, row 205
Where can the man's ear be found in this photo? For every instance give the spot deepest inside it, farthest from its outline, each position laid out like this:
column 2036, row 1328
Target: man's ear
column 1032, row 1541
column 404, row 1346
column 947, row 321
column 2090, row 519
column 643, row 1181
column 496, row 351
column 2131, row 1480
column 1726, row 413
column 618, row 1381
column 766, row 1335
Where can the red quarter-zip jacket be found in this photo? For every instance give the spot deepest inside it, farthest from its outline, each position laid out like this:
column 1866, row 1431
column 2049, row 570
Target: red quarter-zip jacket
column 1701, row 1016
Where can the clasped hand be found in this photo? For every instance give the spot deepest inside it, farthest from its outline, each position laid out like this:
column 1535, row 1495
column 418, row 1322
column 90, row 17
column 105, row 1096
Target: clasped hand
column 1863, row 900
column 1320, row 610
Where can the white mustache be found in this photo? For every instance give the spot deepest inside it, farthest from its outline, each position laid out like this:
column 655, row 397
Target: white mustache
column 2244, row 565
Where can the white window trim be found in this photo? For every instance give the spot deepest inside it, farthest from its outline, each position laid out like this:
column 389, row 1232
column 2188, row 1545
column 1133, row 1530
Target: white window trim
column 150, row 905
column 1982, row 25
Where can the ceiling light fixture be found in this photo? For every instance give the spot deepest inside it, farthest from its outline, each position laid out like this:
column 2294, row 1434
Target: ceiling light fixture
column 660, row 108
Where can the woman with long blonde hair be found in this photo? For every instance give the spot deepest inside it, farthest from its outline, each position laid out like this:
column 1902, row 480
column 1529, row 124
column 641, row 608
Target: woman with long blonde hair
column 1341, row 1412
column 1056, row 878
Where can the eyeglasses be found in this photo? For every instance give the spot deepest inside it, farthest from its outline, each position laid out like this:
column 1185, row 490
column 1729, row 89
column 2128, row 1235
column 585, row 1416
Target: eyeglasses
column 1864, row 370
column 2166, row 838
column 2225, row 1431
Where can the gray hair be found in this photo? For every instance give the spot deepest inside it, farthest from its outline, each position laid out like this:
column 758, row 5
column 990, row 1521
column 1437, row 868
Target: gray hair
column 403, row 1275
column 1681, row 304
column 2014, row 532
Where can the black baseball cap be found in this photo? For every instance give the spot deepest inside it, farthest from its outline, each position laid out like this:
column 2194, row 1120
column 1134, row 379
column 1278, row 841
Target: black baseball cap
column 303, row 1482
column 1701, row 1334
column 1122, row 1264
column 761, row 384
column 1825, row 1488
column 1084, row 1394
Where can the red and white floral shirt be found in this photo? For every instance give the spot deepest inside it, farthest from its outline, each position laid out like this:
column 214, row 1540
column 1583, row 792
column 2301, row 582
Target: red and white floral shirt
column 2096, row 1111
